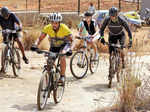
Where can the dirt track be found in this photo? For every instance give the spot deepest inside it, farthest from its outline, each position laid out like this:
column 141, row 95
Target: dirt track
column 19, row 94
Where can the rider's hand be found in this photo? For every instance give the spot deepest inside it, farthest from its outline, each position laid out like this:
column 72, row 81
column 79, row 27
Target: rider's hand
column 18, row 29
column 34, row 47
column 102, row 40
column 130, row 44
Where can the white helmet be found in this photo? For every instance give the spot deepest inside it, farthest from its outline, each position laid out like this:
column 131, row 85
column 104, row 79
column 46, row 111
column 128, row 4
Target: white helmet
column 56, row 17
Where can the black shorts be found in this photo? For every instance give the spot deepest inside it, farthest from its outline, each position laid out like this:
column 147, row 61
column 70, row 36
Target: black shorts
column 12, row 35
column 57, row 49
column 115, row 39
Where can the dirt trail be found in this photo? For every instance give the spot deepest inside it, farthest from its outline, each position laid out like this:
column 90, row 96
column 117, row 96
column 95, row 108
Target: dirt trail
column 85, row 95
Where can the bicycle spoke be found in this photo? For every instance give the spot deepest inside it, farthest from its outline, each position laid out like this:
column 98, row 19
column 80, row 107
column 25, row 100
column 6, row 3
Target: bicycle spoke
column 79, row 62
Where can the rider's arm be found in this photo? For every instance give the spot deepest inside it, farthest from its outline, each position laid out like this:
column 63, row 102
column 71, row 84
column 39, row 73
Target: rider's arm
column 126, row 26
column 17, row 20
column 81, row 27
column 96, row 29
column 67, row 33
column 104, row 24
column 38, row 41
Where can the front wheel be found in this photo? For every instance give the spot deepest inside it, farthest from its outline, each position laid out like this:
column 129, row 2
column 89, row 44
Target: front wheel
column 16, row 62
column 43, row 90
column 112, row 69
column 4, row 60
column 79, row 65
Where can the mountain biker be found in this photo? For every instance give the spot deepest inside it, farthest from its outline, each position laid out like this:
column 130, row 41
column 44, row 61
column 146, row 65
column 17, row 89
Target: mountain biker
column 56, row 30
column 9, row 20
column 92, row 31
column 115, row 24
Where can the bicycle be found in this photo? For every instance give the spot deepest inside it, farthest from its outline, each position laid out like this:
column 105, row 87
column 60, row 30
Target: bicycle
column 49, row 81
column 84, row 59
column 10, row 55
column 115, row 62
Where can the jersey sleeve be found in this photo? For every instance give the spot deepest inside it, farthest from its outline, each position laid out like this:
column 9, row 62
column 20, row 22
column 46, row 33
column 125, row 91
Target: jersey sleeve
column 15, row 18
column 126, row 26
column 104, row 24
column 46, row 29
column 67, row 31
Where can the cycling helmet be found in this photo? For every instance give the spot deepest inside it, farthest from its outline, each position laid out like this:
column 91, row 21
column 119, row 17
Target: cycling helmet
column 55, row 17
column 5, row 12
column 113, row 11
column 86, row 14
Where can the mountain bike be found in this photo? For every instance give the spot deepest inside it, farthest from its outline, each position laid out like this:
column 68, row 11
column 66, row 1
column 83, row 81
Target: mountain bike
column 49, row 82
column 10, row 55
column 82, row 60
column 115, row 59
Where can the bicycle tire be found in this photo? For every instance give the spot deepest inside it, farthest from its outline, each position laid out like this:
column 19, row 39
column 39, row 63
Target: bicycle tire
column 16, row 63
column 95, row 62
column 112, row 69
column 58, row 91
column 4, row 61
column 72, row 68
column 46, row 90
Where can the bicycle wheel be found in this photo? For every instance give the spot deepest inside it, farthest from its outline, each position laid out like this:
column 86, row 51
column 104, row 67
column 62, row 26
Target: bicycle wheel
column 4, row 60
column 44, row 91
column 79, row 65
column 93, row 64
column 16, row 63
column 58, row 90
column 112, row 69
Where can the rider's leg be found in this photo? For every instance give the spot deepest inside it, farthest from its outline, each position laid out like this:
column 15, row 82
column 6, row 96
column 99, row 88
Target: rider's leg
column 92, row 45
column 62, row 62
column 22, row 50
column 62, row 65
column 122, row 41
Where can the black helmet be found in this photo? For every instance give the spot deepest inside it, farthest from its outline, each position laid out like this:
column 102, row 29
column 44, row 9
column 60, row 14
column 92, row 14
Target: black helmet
column 5, row 11
column 113, row 11
column 87, row 14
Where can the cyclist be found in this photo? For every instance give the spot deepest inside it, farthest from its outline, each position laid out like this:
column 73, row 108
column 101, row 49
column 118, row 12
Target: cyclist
column 92, row 31
column 9, row 20
column 59, row 35
column 115, row 25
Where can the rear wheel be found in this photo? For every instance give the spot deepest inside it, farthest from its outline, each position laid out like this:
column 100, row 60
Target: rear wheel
column 58, row 90
column 93, row 63
column 79, row 65
column 16, row 62
column 44, row 90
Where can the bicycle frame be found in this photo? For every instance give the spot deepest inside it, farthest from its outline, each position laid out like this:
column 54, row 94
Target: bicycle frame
column 85, row 49
column 10, row 43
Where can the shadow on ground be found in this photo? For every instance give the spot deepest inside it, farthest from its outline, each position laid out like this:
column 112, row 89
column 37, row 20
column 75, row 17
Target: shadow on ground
column 97, row 87
column 33, row 107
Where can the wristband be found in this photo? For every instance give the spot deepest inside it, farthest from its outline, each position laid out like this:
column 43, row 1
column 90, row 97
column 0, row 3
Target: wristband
column 102, row 37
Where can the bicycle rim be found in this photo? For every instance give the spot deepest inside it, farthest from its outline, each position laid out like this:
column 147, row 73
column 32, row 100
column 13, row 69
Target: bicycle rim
column 79, row 65
column 58, row 91
column 93, row 64
column 16, row 62
column 43, row 91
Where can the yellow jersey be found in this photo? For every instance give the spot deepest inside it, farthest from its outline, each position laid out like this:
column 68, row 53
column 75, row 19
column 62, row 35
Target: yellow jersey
column 63, row 32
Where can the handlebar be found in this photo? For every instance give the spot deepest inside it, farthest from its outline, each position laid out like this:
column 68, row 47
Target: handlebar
column 49, row 53
column 8, row 31
column 116, row 45
column 83, row 38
